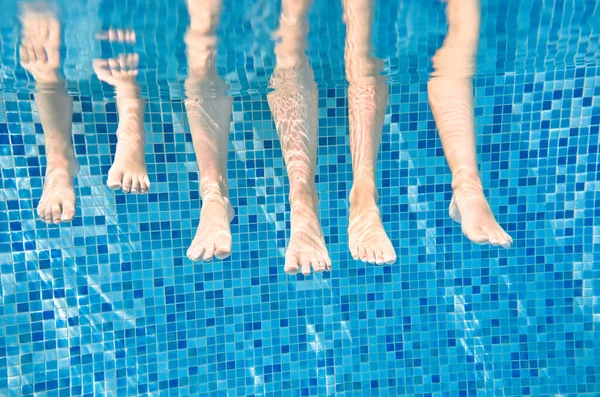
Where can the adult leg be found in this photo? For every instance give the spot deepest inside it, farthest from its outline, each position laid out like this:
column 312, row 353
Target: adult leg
column 367, row 100
column 450, row 90
column 293, row 103
column 209, row 111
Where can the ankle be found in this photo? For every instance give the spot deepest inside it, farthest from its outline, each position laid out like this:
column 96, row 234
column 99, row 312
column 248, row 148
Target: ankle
column 302, row 197
column 214, row 189
column 63, row 159
column 466, row 178
column 363, row 192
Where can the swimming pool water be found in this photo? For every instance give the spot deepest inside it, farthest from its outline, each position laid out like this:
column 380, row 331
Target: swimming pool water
column 110, row 305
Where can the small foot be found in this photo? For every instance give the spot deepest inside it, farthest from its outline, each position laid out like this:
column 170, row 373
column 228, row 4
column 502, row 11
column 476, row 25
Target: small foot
column 40, row 47
column 120, row 72
column 213, row 237
column 306, row 248
column 367, row 238
column 470, row 208
column 128, row 171
column 117, row 35
column 58, row 197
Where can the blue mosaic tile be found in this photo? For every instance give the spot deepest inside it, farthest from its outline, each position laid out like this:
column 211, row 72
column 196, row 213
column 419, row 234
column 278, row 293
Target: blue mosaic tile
column 110, row 305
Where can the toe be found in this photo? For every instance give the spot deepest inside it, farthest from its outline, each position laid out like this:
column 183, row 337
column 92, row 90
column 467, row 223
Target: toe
column 126, row 187
column 495, row 239
column 135, row 185
column 389, row 257
column 56, row 213
column 305, row 264
column 195, row 252
column 354, row 251
column 319, row 266
column 68, row 212
column 48, row 214
column 144, row 184
column 115, row 179
column 379, row 258
column 371, row 257
column 316, row 264
column 41, row 211
column 327, row 262
column 363, row 254
column 222, row 252
column 504, row 241
column 291, row 264
column 209, row 252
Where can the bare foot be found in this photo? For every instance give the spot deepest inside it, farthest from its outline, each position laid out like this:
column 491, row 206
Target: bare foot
column 367, row 100
column 40, row 47
column 293, row 103
column 128, row 171
column 213, row 237
column 118, row 35
column 40, row 56
column 58, row 197
column 366, row 236
column 306, row 248
column 470, row 208
column 120, row 72
column 209, row 110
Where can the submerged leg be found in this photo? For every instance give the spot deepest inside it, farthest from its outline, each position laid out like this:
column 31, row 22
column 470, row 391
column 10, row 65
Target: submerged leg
column 293, row 103
column 208, row 110
column 367, row 100
column 40, row 55
column 450, row 90
column 128, row 171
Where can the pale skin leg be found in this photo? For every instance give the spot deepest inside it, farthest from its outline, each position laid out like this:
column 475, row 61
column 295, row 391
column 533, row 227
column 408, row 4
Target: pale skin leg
column 367, row 100
column 450, row 90
column 293, row 103
column 40, row 56
column 128, row 171
column 209, row 111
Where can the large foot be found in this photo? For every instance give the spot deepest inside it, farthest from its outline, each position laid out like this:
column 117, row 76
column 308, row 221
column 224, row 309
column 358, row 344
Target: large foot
column 306, row 248
column 58, row 197
column 213, row 237
column 470, row 208
column 366, row 236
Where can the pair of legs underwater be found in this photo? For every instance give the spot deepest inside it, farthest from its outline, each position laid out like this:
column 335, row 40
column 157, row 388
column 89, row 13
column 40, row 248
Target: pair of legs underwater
column 40, row 56
column 293, row 103
column 207, row 105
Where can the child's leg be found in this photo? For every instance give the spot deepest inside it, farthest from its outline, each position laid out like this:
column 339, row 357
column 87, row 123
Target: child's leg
column 40, row 55
column 128, row 171
column 367, row 100
column 451, row 99
column 293, row 103
column 208, row 110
